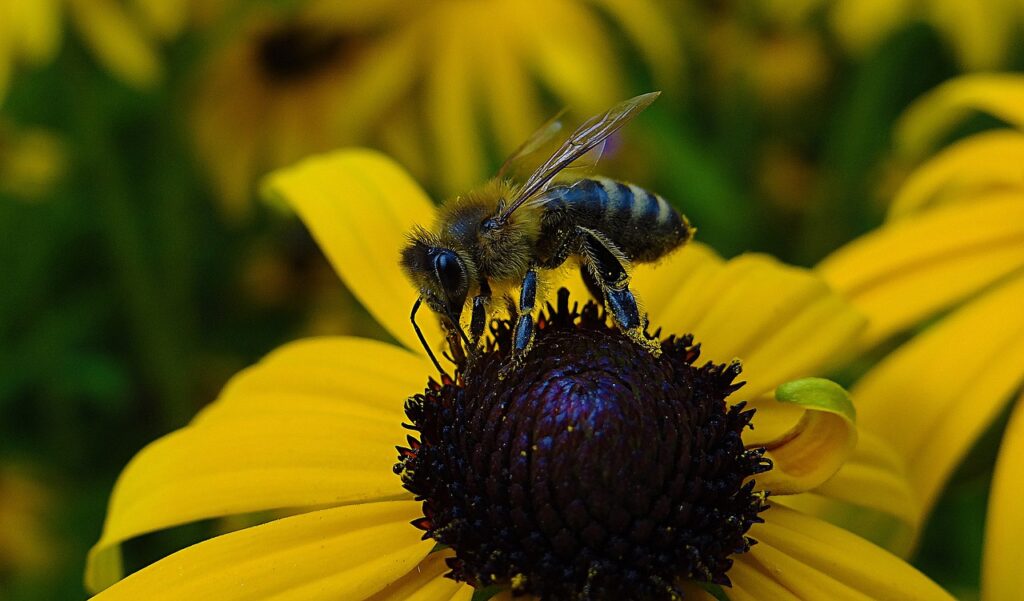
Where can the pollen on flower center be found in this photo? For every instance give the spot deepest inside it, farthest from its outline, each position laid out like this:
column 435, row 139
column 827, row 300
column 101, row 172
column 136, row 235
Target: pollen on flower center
column 294, row 52
column 595, row 471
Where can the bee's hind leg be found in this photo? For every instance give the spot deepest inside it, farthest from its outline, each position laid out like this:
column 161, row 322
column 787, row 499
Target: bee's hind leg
column 607, row 267
column 522, row 336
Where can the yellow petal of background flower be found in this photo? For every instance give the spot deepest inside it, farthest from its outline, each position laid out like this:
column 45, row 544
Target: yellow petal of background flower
column 33, row 29
column 307, row 426
column 165, row 18
column 860, row 24
column 651, row 29
column 976, row 164
column 450, row 102
column 934, row 396
column 934, row 114
column 814, row 560
column 980, row 32
column 359, row 206
column 426, row 583
column 782, row 322
column 909, row 269
column 1001, row 576
column 117, row 42
column 812, row 449
column 340, row 553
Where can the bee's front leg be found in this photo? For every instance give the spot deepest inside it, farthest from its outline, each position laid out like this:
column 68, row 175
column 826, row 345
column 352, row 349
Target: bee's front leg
column 522, row 336
column 479, row 319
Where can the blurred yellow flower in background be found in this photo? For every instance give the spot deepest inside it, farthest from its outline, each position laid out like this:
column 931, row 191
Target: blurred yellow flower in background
column 423, row 80
column 32, row 160
column 979, row 31
column 952, row 252
column 25, row 544
column 122, row 35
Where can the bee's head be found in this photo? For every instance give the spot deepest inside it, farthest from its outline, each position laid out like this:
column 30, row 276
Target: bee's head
column 441, row 272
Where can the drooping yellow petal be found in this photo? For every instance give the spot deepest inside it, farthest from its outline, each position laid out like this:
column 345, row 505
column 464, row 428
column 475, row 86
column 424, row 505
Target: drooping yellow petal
column 934, row 114
column 117, row 42
column 1001, row 576
column 165, row 18
column 980, row 163
column 359, row 206
column 313, row 424
column 813, row 447
column 340, row 553
column 812, row 560
column 870, row 495
column 934, row 396
column 426, row 583
column 782, row 322
column 910, row 269
column 33, row 28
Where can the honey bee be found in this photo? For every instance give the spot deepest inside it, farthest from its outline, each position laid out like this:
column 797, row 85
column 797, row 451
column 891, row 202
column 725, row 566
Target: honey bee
column 504, row 233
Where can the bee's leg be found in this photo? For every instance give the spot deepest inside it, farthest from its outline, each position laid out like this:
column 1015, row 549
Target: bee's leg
column 607, row 266
column 522, row 336
column 592, row 284
column 423, row 340
column 479, row 319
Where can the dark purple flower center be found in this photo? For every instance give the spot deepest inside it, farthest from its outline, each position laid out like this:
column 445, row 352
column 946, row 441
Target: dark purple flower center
column 594, row 471
column 296, row 51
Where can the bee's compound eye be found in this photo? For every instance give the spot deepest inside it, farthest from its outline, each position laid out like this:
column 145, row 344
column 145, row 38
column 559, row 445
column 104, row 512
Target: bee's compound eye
column 450, row 272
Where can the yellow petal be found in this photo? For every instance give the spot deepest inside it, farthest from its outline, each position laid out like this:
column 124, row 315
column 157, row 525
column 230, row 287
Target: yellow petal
column 960, row 172
column 359, row 206
column 813, row 448
column 578, row 64
column 653, row 32
column 980, row 32
column 353, row 378
column 340, row 553
column 34, row 29
column 912, row 268
column 782, row 322
column 861, row 24
column 307, row 426
column 163, row 17
column 870, row 495
column 450, row 104
column 117, row 41
column 932, row 398
column 814, row 560
column 426, row 582
column 935, row 114
column 1001, row 576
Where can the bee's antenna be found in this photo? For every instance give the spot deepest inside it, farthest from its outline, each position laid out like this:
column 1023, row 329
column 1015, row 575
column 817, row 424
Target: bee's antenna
column 423, row 341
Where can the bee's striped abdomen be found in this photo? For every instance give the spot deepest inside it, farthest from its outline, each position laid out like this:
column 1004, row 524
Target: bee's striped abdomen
column 643, row 224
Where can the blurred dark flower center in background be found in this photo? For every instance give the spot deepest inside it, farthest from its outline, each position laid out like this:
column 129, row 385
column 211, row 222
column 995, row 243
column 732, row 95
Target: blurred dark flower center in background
column 595, row 471
column 297, row 51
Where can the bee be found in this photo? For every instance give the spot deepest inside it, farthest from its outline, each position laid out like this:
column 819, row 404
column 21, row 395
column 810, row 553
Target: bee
column 504, row 233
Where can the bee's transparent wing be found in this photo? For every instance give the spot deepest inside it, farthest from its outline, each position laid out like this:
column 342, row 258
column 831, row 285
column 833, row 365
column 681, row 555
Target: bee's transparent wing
column 537, row 140
column 592, row 133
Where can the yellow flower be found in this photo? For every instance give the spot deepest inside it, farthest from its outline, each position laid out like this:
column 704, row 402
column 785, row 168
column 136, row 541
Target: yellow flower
column 980, row 31
column 413, row 76
column 122, row 35
column 314, row 426
column 25, row 546
column 31, row 161
column 954, row 243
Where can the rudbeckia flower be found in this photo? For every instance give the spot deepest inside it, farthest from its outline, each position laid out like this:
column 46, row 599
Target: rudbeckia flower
column 979, row 32
column 594, row 468
column 122, row 36
column 953, row 247
column 371, row 72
